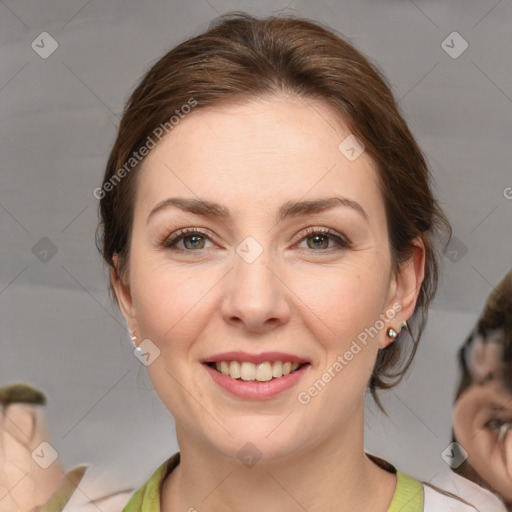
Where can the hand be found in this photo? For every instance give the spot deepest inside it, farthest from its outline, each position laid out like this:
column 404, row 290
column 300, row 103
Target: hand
column 24, row 484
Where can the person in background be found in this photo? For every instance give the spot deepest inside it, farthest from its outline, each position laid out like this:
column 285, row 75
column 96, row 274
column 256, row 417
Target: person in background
column 482, row 414
column 32, row 478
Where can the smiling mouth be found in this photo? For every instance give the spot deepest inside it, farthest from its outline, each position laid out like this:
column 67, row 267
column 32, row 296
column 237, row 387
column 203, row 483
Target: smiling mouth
column 261, row 372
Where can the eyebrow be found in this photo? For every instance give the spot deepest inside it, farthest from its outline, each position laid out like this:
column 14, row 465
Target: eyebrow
column 499, row 408
column 289, row 209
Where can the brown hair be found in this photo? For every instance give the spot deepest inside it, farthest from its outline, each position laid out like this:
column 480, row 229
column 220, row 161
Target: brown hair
column 242, row 57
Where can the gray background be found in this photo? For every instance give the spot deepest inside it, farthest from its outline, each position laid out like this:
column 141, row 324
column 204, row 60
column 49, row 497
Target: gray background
column 58, row 122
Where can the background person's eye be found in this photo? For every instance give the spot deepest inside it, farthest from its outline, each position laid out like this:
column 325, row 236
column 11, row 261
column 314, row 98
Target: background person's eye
column 496, row 424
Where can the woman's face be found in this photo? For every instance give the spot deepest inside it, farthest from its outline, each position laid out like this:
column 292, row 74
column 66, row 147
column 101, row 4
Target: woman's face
column 254, row 281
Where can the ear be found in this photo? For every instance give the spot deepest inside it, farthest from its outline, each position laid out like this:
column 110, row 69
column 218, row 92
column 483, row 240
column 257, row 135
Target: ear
column 123, row 294
column 404, row 288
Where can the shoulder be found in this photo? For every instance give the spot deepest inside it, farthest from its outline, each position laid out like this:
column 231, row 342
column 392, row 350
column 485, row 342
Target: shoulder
column 85, row 487
column 147, row 498
column 460, row 494
column 446, row 492
column 436, row 499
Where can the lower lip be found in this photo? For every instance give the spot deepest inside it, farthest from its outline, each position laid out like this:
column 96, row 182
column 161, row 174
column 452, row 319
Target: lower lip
column 254, row 389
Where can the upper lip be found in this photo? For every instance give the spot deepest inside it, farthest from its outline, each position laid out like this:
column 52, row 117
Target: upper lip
column 254, row 358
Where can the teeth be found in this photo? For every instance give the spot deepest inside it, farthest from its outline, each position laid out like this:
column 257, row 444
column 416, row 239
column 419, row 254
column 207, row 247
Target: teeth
column 224, row 367
column 234, row 370
column 261, row 372
column 247, row 371
column 277, row 369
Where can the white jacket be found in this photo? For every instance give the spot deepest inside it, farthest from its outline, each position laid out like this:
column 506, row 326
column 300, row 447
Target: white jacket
column 481, row 499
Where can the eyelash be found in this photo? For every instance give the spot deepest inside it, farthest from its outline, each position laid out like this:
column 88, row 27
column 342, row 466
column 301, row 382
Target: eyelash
column 171, row 241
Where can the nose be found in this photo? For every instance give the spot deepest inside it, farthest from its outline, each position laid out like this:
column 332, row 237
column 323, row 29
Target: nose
column 256, row 297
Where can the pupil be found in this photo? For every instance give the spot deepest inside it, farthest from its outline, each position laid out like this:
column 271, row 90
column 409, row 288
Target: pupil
column 317, row 237
column 197, row 238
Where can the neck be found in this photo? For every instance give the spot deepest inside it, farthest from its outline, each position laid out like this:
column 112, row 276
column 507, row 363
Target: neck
column 335, row 474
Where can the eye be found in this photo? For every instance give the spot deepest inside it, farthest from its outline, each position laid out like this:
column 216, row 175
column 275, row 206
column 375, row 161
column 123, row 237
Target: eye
column 321, row 237
column 193, row 239
column 496, row 424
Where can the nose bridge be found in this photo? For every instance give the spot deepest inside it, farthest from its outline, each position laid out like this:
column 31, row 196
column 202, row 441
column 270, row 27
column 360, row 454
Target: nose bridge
column 255, row 293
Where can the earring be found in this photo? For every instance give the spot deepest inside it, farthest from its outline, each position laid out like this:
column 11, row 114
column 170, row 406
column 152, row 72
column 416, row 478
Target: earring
column 135, row 346
column 391, row 333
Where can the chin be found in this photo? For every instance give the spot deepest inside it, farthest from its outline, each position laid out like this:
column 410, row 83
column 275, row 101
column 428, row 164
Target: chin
column 255, row 445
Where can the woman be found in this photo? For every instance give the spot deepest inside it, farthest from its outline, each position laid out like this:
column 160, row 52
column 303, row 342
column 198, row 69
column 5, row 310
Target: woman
column 270, row 229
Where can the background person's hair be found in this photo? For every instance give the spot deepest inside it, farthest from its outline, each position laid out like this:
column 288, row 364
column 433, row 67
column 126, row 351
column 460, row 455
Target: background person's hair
column 242, row 57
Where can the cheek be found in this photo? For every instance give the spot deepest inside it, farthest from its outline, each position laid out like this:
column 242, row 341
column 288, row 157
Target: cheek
column 346, row 301
column 174, row 303
column 168, row 301
column 340, row 312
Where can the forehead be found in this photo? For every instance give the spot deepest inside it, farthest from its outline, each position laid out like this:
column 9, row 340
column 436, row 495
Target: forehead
column 262, row 151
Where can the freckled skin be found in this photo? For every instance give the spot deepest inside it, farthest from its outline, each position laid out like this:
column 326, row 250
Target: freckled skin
column 252, row 158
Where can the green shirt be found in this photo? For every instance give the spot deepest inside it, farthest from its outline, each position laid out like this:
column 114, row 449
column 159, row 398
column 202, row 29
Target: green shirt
column 408, row 491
